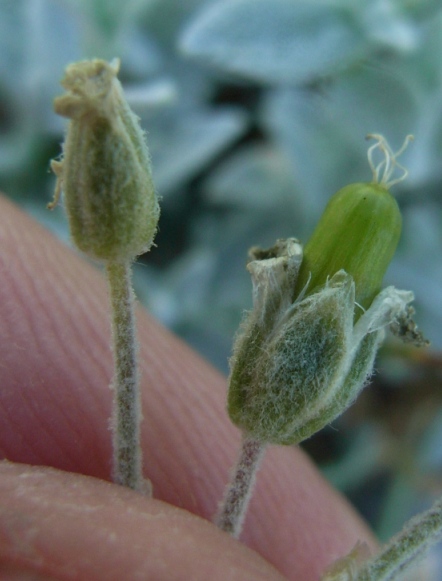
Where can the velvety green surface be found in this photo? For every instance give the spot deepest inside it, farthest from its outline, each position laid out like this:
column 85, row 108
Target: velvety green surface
column 358, row 232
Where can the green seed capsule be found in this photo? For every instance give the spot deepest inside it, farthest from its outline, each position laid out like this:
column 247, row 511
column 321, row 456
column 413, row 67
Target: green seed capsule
column 358, row 232
column 306, row 349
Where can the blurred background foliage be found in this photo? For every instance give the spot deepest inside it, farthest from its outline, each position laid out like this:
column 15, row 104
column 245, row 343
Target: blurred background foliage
column 256, row 112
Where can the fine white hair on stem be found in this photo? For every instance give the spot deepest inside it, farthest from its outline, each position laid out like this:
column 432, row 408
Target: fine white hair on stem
column 383, row 172
column 233, row 508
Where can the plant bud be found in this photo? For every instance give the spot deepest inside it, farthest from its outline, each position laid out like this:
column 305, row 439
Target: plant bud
column 105, row 172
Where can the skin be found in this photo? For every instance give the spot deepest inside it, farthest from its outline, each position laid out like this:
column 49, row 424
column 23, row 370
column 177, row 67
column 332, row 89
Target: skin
column 60, row 518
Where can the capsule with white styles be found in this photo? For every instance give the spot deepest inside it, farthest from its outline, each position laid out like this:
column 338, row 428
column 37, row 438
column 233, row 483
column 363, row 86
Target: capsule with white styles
column 358, row 232
column 306, row 349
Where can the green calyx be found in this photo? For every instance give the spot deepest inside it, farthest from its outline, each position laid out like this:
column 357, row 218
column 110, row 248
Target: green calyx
column 278, row 382
column 105, row 172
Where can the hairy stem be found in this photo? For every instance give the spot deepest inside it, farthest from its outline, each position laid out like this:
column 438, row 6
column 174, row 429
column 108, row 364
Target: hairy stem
column 415, row 539
column 232, row 512
column 127, row 463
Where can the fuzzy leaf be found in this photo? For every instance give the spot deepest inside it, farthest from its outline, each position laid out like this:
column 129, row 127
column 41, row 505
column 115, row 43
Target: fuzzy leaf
column 183, row 142
column 275, row 41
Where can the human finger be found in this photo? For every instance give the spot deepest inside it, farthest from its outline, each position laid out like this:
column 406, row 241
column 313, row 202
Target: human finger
column 55, row 403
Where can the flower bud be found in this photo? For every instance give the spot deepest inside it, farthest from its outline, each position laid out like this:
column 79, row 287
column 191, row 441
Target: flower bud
column 105, row 172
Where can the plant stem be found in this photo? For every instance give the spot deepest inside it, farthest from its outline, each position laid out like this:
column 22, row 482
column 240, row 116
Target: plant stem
column 416, row 538
column 127, row 463
column 230, row 517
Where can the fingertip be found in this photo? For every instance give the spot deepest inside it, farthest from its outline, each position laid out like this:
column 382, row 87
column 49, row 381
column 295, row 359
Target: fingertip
column 55, row 404
column 64, row 526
